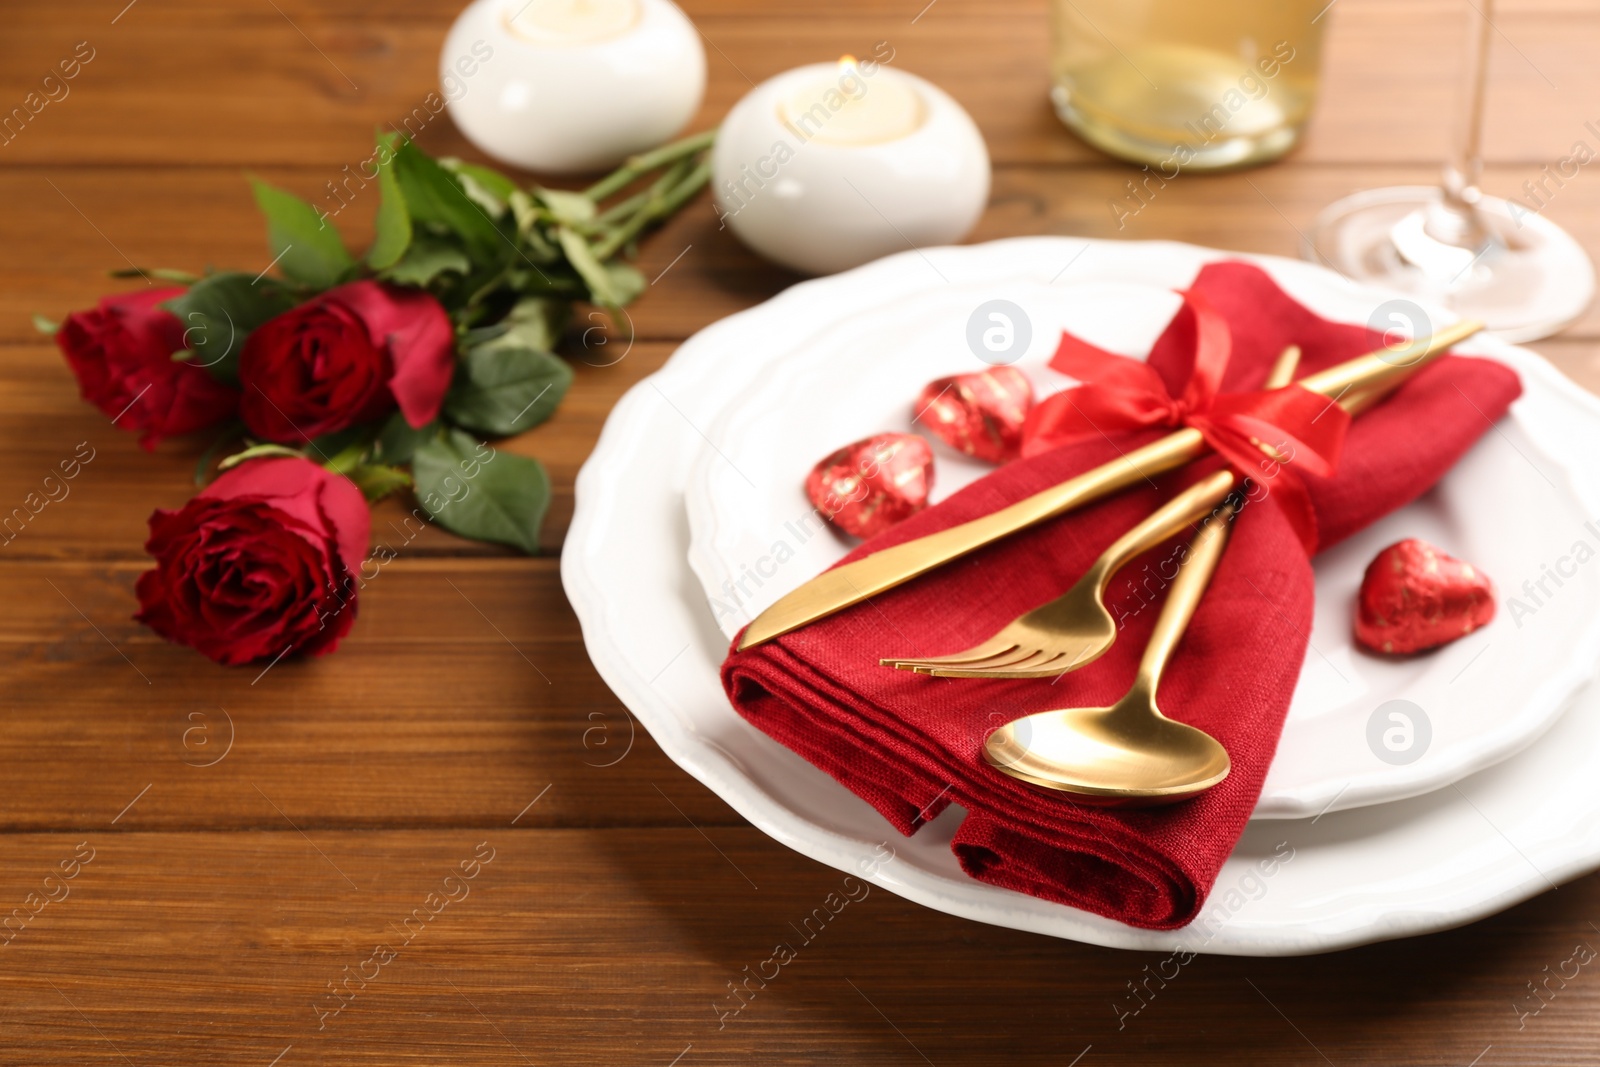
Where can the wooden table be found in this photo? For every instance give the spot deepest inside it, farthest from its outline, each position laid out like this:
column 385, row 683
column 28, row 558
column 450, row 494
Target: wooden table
column 232, row 888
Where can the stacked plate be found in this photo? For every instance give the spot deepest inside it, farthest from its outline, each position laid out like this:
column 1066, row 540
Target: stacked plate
column 1406, row 795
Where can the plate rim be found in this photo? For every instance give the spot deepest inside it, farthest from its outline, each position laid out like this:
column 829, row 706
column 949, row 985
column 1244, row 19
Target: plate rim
column 1546, row 697
column 967, row 898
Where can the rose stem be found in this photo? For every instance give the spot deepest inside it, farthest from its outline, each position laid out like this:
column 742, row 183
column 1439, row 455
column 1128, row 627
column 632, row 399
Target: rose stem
column 640, row 165
column 667, row 195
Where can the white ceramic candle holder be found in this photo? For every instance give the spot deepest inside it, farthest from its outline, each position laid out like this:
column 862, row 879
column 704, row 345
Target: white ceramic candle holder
column 568, row 86
column 830, row 165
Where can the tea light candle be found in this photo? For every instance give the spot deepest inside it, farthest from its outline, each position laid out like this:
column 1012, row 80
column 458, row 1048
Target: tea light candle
column 831, row 165
column 571, row 85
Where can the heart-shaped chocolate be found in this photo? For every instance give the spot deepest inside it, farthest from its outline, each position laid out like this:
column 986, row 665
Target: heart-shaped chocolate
column 867, row 487
column 980, row 414
column 1415, row 596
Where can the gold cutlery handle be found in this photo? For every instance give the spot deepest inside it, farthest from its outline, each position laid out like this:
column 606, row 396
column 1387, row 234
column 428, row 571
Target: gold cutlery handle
column 1380, row 371
column 1283, row 368
column 852, row 583
column 1184, row 596
column 843, row 586
column 1174, row 515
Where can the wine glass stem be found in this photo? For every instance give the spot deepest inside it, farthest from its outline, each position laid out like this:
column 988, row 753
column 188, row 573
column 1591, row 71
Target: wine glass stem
column 1465, row 169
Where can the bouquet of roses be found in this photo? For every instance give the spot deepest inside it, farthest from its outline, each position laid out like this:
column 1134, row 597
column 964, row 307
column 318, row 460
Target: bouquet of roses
column 345, row 380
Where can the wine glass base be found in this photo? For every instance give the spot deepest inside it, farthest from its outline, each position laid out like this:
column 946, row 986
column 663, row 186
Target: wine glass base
column 1528, row 280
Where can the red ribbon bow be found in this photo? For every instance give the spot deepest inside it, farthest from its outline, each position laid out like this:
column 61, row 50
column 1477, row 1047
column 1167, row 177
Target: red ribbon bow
column 1119, row 394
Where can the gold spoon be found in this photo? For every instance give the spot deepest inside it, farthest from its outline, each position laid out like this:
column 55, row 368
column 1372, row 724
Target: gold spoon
column 1128, row 754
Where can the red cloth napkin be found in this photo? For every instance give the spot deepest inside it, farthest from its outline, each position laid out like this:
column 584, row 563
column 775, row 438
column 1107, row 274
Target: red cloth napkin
column 910, row 744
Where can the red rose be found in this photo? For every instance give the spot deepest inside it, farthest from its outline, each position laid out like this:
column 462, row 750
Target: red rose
column 121, row 354
column 261, row 562
column 344, row 358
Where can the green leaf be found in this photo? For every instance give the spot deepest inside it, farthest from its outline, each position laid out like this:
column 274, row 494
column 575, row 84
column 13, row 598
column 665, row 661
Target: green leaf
column 474, row 491
column 590, row 269
column 219, row 311
column 301, row 242
column 524, row 210
column 626, row 282
column 335, row 442
column 397, row 441
column 500, row 390
column 392, row 225
column 539, row 248
column 256, row 452
column 568, row 208
column 534, row 322
column 426, row 259
column 231, row 431
column 376, row 481
column 433, row 195
column 44, row 325
column 489, row 187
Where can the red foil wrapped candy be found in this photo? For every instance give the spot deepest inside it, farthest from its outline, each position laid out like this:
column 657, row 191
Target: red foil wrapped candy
column 980, row 414
column 1415, row 597
column 867, row 487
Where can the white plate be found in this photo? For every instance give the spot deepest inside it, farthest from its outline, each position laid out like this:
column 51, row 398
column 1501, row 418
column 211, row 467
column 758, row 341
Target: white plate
column 1405, row 868
column 1510, row 505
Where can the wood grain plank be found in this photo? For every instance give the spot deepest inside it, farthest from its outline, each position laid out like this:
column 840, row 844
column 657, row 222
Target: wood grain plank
column 223, row 899
column 102, row 511
column 460, row 694
column 345, row 72
column 1578, row 360
column 618, row 946
column 174, row 13
column 98, row 220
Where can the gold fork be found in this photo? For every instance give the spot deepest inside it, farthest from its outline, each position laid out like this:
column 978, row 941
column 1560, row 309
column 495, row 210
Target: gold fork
column 1075, row 629
column 1130, row 753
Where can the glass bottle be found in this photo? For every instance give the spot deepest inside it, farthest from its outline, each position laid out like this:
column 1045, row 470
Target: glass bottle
column 1184, row 85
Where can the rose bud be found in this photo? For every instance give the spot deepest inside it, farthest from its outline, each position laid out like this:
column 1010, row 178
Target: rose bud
column 121, row 354
column 1414, row 597
column 980, row 414
column 867, row 487
column 262, row 562
column 346, row 357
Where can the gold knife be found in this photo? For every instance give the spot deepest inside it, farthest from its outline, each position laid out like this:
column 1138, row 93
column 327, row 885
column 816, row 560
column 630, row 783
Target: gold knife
column 839, row 588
